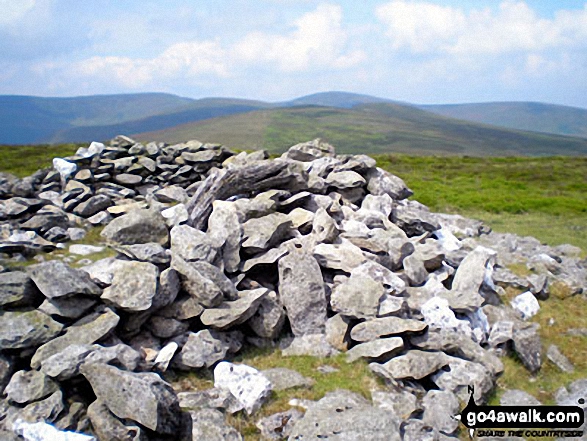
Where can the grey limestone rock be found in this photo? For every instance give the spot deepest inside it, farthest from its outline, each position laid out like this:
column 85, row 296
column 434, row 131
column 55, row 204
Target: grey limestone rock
column 440, row 408
column 528, row 346
column 463, row 374
column 357, row 297
column 202, row 349
column 261, row 233
column 192, row 244
column 87, row 330
column 378, row 327
column 381, row 182
column 134, row 286
column 137, row 226
column 109, row 427
column 469, row 278
column 376, row 349
column 268, row 320
column 144, row 398
column 343, row 256
column 196, row 284
column 28, row 386
column 17, row 289
column 337, row 328
column 301, row 290
column 210, row 425
column 415, row 364
column 26, row 329
column 315, row 345
column 400, row 403
column 343, row 415
column 279, row 425
column 72, row 307
column 56, row 279
column 559, row 359
column 309, row 151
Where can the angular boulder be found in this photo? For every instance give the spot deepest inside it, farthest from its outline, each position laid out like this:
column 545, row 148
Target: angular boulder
column 144, row 398
column 137, row 226
column 301, row 290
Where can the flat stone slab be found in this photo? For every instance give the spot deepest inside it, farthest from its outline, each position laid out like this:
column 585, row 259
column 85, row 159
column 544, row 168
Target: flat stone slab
column 415, row 364
column 375, row 349
column 379, row 327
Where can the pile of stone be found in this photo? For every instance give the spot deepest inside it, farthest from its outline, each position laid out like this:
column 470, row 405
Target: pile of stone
column 309, row 254
column 96, row 184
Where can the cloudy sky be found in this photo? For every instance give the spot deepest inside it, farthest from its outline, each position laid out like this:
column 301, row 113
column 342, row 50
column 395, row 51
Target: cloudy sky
column 417, row 51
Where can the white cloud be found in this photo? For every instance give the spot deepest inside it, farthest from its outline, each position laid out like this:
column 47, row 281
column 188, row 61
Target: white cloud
column 317, row 40
column 12, row 11
column 424, row 27
column 181, row 60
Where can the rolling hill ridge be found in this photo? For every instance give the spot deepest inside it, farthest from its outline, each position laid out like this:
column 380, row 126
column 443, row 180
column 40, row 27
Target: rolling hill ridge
column 369, row 128
column 347, row 119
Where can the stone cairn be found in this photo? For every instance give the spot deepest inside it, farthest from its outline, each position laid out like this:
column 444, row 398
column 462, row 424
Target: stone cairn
column 310, row 254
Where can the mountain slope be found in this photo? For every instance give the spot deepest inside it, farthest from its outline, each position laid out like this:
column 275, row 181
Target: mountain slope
column 539, row 117
column 196, row 111
column 370, row 128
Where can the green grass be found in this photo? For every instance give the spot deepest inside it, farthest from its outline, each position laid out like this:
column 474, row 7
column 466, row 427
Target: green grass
column 24, row 160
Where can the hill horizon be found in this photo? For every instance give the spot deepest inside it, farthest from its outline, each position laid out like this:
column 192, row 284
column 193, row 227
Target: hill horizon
column 53, row 120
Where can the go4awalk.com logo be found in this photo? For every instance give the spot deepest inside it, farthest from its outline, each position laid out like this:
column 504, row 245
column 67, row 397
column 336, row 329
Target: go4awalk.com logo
column 522, row 421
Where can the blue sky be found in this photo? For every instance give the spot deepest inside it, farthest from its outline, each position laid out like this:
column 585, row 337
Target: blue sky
column 415, row 51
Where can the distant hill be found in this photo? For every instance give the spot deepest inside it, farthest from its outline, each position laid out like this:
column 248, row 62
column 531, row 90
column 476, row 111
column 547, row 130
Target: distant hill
column 538, row 117
column 195, row 111
column 32, row 120
column 343, row 100
column 369, row 128
column 350, row 120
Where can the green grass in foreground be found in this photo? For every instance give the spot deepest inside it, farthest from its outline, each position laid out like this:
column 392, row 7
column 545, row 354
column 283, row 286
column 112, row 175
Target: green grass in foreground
column 24, row 160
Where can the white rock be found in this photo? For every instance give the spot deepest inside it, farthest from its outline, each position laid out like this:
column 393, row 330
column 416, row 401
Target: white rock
column 25, row 236
column 95, row 148
column 165, row 355
column 437, row 314
column 76, row 233
column 175, row 215
column 447, row 240
column 84, row 250
column 46, row 432
column 526, row 304
column 250, row 387
column 52, row 196
column 65, row 168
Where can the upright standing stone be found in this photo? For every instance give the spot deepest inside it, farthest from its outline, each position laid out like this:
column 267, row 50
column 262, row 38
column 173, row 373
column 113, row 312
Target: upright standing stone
column 301, row 289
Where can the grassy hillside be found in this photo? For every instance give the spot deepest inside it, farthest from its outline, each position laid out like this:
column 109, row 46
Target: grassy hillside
column 370, row 128
column 24, row 160
column 539, row 117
